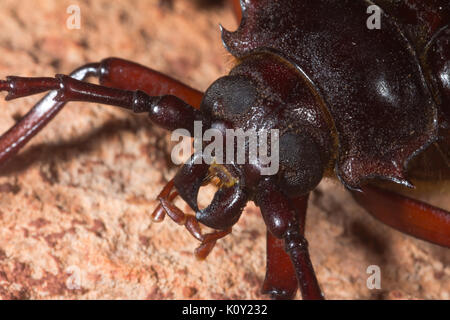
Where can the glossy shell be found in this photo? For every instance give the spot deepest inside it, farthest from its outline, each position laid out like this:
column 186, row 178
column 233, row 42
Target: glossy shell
column 375, row 83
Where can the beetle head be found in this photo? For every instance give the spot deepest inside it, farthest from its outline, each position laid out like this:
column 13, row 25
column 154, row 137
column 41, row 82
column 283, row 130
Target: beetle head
column 263, row 93
column 267, row 93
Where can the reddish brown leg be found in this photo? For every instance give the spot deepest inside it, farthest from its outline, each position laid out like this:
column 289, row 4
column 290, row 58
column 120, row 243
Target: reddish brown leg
column 408, row 215
column 167, row 111
column 159, row 213
column 123, row 74
column 36, row 119
column 112, row 71
column 280, row 281
column 285, row 219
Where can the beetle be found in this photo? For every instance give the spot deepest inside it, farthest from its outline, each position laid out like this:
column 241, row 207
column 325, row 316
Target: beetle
column 333, row 141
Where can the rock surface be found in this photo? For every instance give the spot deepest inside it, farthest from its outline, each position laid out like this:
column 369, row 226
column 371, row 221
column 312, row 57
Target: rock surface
column 75, row 204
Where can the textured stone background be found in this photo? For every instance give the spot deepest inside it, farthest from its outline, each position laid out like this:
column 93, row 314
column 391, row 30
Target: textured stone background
column 78, row 198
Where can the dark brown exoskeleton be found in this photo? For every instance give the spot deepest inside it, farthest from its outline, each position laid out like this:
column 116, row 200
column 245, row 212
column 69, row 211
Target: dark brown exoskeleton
column 348, row 100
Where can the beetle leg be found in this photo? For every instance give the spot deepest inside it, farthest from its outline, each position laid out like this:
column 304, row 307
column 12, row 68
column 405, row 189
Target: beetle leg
column 42, row 112
column 280, row 281
column 112, row 72
column 167, row 111
column 159, row 213
column 405, row 214
column 127, row 75
column 209, row 241
column 285, row 219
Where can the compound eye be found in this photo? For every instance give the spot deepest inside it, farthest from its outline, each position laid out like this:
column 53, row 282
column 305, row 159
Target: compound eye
column 229, row 96
column 301, row 164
